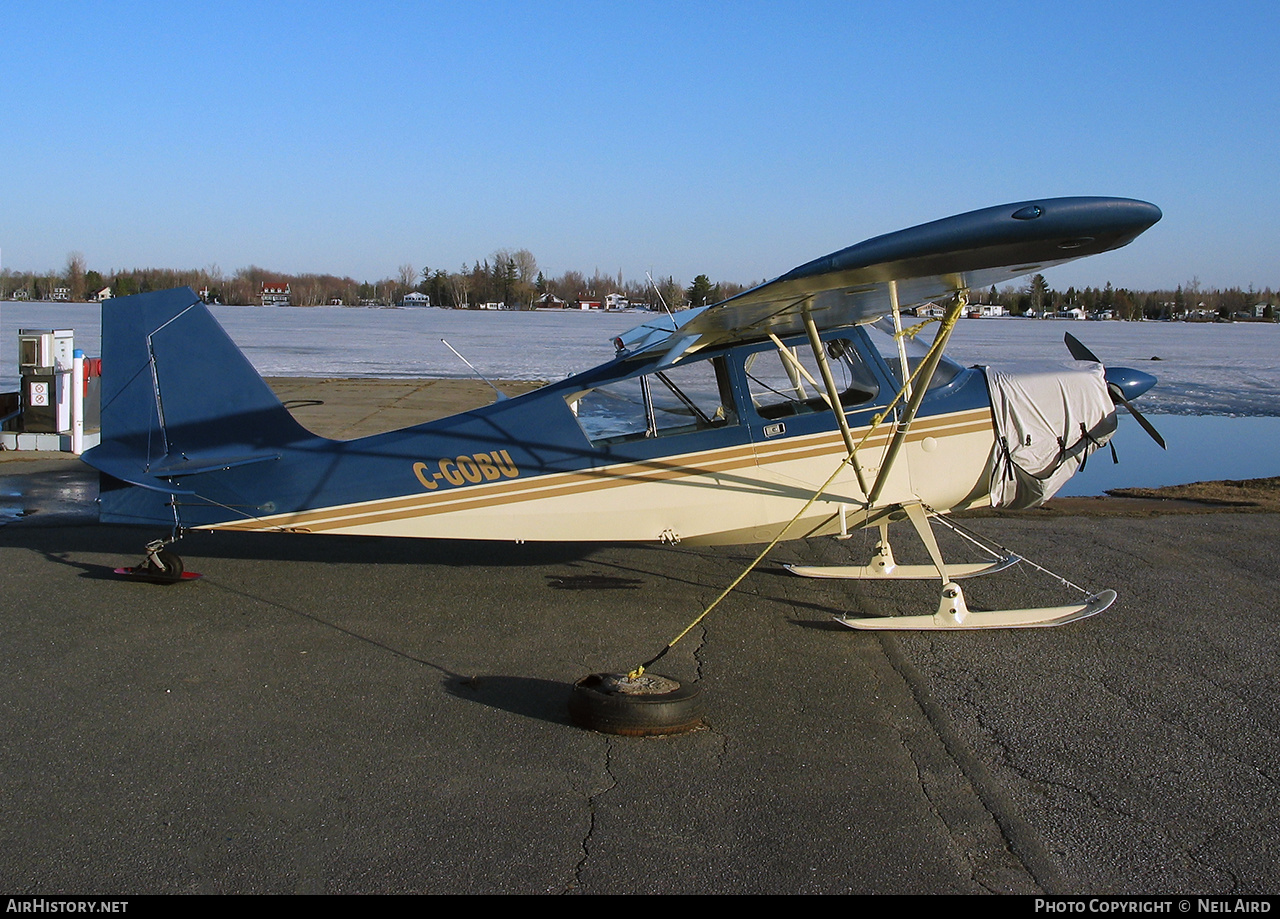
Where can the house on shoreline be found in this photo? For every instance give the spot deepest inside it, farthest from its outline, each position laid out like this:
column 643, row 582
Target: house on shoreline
column 275, row 294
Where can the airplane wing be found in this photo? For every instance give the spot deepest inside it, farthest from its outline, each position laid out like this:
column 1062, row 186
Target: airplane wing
column 930, row 261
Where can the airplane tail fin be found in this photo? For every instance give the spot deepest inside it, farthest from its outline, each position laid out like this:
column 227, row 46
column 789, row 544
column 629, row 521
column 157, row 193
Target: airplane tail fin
column 179, row 399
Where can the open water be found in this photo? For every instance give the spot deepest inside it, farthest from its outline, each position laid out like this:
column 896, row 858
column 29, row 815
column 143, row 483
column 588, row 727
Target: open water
column 1217, row 404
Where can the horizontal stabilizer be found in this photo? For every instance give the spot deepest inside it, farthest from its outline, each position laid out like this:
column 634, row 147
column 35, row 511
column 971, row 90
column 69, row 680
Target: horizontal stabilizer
column 125, row 467
column 195, row 465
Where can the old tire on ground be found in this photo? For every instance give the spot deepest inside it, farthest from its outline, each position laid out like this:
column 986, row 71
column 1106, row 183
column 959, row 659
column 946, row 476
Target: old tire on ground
column 649, row 705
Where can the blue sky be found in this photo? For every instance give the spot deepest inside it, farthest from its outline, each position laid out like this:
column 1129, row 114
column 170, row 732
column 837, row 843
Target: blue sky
column 732, row 139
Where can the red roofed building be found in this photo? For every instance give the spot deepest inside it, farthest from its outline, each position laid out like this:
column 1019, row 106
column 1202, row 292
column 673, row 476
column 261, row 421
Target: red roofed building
column 275, row 294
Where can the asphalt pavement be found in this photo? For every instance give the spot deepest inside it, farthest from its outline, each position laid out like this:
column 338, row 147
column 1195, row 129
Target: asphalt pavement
column 323, row 714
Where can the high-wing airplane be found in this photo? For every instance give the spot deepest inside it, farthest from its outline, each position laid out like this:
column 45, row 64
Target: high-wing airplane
column 709, row 426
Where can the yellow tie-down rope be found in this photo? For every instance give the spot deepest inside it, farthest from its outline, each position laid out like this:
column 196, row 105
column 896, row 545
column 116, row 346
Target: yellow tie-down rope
column 912, row 331
column 940, row 341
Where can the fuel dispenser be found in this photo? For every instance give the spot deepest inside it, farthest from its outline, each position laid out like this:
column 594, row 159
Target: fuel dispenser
column 45, row 363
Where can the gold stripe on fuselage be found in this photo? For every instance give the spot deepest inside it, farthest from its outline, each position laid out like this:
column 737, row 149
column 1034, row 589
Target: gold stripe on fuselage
column 559, row 484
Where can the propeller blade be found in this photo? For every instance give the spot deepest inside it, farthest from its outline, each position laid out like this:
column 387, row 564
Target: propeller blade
column 1081, row 353
column 1078, row 350
column 1118, row 396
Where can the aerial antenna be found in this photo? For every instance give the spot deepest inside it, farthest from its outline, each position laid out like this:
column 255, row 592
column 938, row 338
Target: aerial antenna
column 674, row 324
column 501, row 394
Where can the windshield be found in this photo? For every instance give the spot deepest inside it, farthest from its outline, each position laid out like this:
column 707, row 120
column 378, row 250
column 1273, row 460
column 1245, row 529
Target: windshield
column 881, row 333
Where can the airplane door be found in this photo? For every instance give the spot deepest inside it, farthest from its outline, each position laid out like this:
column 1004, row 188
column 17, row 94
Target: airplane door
column 794, row 433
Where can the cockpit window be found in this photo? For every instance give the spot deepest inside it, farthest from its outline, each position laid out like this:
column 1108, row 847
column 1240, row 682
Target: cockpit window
column 678, row 400
column 881, row 333
column 791, row 383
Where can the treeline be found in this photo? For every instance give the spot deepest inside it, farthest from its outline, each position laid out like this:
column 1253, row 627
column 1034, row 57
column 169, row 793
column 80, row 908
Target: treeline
column 1191, row 300
column 509, row 277
column 513, row 278
column 243, row 287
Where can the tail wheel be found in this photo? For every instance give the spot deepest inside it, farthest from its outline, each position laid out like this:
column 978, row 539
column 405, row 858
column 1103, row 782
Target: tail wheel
column 163, row 565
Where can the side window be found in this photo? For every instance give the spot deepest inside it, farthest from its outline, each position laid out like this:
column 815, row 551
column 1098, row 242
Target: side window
column 780, row 388
column 678, row 400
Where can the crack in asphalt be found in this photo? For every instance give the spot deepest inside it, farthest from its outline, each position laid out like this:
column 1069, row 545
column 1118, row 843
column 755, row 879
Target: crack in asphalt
column 1020, row 840
column 592, row 800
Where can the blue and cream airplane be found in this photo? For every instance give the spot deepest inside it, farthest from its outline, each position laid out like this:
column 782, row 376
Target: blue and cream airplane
column 709, row 426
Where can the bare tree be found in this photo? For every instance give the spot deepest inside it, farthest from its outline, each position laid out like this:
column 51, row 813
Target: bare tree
column 408, row 277
column 75, row 274
column 1193, row 293
column 459, row 288
column 569, row 285
column 526, row 265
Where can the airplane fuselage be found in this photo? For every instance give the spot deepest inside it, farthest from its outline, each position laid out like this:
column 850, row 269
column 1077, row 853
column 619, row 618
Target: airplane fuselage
column 734, row 469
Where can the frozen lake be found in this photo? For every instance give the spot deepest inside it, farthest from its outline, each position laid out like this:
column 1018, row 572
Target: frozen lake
column 1203, row 368
column 358, row 342
column 1229, row 372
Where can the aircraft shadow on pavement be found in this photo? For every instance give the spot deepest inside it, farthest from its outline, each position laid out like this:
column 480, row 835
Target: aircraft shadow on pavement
column 55, row 540
column 543, row 700
column 604, row 570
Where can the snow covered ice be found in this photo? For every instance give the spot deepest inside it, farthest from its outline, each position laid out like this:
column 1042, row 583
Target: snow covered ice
column 1203, row 368
column 1228, row 371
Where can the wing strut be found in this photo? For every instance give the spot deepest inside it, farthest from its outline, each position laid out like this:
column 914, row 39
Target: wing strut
column 898, row 339
column 833, row 398
column 925, row 374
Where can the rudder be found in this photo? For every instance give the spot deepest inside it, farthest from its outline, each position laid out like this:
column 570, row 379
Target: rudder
column 179, row 397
